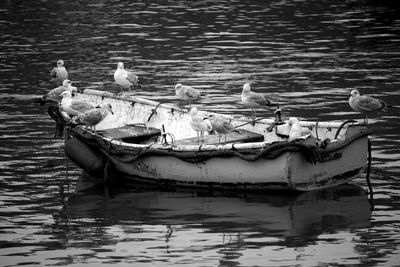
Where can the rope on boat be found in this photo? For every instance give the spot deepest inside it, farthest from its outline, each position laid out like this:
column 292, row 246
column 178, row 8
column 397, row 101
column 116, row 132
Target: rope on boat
column 107, row 165
column 53, row 111
column 341, row 127
column 371, row 193
column 311, row 152
column 249, row 122
column 66, row 135
column 153, row 111
column 164, row 135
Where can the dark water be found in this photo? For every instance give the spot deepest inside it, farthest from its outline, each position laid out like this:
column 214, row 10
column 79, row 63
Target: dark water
column 306, row 54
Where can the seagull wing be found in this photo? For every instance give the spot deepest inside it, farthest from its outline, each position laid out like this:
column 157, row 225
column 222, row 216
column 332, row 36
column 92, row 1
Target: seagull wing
column 367, row 103
column 131, row 77
column 90, row 118
column 191, row 92
column 259, row 99
column 53, row 73
column 199, row 124
column 207, row 125
column 55, row 94
column 81, row 106
column 228, row 125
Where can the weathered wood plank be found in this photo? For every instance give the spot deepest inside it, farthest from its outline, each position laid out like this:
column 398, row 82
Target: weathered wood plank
column 130, row 132
column 242, row 136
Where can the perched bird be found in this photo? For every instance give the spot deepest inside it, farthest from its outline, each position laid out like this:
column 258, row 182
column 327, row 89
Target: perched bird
column 365, row 104
column 187, row 93
column 93, row 117
column 221, row 125
column 58, row 74
column 295, row 130
column 124, row 78
column 254, row 100
column 198, row 123
column 55, row 94
column 74, row 107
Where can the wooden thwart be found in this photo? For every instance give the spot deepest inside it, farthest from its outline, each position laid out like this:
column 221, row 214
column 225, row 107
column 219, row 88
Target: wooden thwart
column 130, row 133
column 242, row 136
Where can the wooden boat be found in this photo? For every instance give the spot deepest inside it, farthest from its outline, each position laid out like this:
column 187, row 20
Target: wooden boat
column 153, row 143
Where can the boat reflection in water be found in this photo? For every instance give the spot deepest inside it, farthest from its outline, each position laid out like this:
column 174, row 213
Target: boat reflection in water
column 132, row 213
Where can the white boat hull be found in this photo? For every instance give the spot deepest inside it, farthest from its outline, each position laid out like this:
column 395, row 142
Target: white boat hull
column 290, row 171
column 236, row 165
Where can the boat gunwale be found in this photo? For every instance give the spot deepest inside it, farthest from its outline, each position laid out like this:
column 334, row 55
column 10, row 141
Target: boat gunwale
column 249, row 153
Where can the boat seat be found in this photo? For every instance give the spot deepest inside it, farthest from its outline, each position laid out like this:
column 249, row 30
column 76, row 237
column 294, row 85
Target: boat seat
column 132, row 134
column 242, row 136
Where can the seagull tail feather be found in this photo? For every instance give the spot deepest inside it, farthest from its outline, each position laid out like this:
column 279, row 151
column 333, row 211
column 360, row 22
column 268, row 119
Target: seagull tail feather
column 139, row 84
column 40, row 100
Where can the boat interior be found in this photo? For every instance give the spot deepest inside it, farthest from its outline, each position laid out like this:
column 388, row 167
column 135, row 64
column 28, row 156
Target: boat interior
column 141, row 121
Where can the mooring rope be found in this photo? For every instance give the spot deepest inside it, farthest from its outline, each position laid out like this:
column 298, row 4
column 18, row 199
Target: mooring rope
column 153, row 111
column 65, row 137
column 342, row 125
column 371, row 193
column 316, row 130
column 249, row 122
column 107, row 165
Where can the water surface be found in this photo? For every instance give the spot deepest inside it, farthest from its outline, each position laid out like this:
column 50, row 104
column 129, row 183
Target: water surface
column 307, row 55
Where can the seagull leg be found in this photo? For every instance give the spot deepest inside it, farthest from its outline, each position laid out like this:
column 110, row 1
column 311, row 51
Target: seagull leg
column 253, row 117
column 198, row 138
column 365, row 118
column 252, row 113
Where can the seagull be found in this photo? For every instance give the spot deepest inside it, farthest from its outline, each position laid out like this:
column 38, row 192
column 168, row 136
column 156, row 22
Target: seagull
column 124, row 78
column 198, row 123
column 93, row 117
column 295, row 131
column 187, row 92
column 58, row 74
column 221, row 125
column 72, row 106
column 253, row 100
column 55, row 94
column 365, row 104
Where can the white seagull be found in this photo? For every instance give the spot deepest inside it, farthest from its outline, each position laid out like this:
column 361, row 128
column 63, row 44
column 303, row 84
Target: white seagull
column 295, row 131
column 199, row 123
column 55, row 94
column 187, row 93
column 221, row 125
column 58, row 74
column 254, row 100
column 74, row 107
column 124, row 78
column 365, row 104
column 93, row 117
